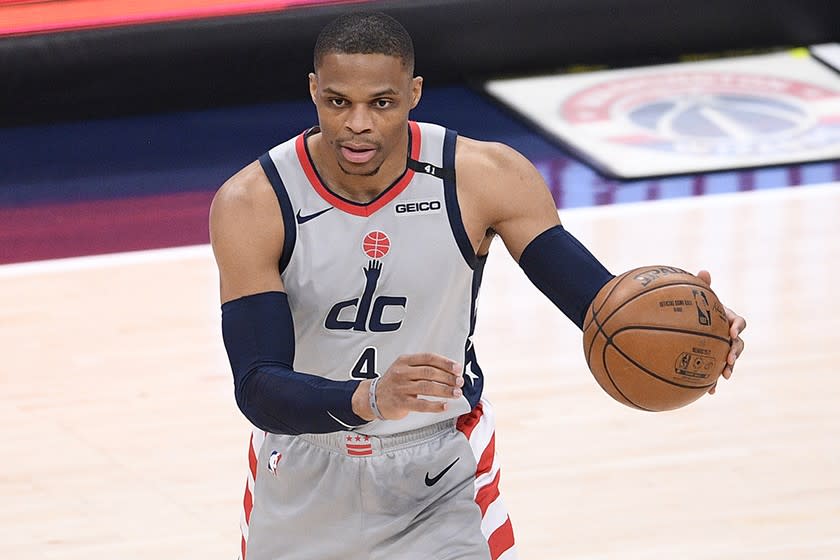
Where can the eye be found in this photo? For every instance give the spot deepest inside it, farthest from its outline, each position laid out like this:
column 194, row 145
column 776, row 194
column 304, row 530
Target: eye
column 383, row 103
column 338, row 102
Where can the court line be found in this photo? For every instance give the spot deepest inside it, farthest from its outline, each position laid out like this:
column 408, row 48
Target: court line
column 706, row 200
column 195, row 251
column 103, row 261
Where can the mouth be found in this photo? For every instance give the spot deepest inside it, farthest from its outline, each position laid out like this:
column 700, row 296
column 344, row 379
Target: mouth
column 358, row 153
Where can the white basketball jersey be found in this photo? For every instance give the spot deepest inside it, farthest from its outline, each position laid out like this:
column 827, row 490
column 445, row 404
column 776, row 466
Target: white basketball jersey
column 369, row 282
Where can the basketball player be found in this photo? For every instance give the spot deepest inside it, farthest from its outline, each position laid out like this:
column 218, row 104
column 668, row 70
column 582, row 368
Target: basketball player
column 350, row 259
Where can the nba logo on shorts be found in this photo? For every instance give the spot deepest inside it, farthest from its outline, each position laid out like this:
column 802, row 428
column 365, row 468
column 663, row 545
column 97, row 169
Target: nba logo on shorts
column 273, row 459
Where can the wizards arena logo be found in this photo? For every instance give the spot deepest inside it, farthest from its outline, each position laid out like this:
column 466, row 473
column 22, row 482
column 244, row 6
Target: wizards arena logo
column 708, row 113
column 369, row 312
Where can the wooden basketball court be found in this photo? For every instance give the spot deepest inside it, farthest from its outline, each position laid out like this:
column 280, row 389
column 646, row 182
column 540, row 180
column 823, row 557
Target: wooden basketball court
column 120, row 437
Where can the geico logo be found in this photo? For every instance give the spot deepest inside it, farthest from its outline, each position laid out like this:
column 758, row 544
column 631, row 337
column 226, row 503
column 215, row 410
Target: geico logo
column 411, row 207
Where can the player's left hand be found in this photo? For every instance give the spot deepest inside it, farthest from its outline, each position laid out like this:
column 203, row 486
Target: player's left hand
column 736, row 325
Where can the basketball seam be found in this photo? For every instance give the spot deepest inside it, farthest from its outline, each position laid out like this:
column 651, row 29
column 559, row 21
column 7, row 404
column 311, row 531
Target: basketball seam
column 604, row 361
column 609, row 375
column 671, row 329
column 640, row 294
column 644, row 369
column 606, row 297
column 596, row 311
column 592, row 341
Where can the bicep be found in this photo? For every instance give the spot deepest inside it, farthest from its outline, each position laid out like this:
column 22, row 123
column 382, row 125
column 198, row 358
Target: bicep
column 246, row 232
column 515, row 199
column 527, row 215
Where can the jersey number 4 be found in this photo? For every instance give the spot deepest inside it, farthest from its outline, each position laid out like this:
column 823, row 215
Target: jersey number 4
column 365, row 367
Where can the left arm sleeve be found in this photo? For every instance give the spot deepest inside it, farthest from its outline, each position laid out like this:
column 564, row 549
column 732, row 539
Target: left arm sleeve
column 565, row 271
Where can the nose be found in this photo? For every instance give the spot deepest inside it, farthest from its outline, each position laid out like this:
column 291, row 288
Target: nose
column 359, row 119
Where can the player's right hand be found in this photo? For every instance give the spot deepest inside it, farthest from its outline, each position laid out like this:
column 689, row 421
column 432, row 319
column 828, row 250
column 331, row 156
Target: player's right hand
column 410, row 376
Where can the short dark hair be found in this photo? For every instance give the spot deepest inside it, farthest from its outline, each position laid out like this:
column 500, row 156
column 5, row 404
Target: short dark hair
column 365, row 33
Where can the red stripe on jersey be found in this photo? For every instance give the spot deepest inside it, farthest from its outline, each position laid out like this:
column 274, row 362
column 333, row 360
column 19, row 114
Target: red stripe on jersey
column 501, row 539
column 487, row 494
column 350, row 207
column 485, row 464
column 467, row 422
column 244, row 546
column 415, row 139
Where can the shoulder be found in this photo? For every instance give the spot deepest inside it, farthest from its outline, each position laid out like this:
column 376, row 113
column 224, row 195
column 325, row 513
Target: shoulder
column 246, row 232
column 246, row 191
column 246, row 206
column 494, row 170
column 500, row 191
column 246, row 200
column 499, row 179
column 476, row 156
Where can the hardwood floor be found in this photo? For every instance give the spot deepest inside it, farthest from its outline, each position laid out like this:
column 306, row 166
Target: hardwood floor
column 121, row 438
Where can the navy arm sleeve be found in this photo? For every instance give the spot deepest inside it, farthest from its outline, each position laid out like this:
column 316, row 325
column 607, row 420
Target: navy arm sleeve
column 258, row 332
column 565, row 271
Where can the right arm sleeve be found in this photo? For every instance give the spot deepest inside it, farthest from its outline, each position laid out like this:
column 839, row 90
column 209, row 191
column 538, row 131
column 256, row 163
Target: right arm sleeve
column 258, row 332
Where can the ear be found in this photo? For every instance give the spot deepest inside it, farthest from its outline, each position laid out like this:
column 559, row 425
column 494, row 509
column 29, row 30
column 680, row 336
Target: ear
column 313, row 85
column 416, row 90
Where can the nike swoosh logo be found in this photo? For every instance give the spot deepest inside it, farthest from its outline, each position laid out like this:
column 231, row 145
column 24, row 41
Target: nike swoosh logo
column 340, row 422
column 304, row 219
column 432, row 481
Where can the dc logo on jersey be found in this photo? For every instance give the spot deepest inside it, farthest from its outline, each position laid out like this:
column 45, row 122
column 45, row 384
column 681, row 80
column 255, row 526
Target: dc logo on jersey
column 369, row 313
column 708, row 113
column 273, row 459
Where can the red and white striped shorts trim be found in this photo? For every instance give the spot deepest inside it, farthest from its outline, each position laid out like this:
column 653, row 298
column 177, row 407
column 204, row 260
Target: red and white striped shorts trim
column 254, row 446
column 479, row 428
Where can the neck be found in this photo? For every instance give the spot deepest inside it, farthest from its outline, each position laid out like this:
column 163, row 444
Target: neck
column 358, row 188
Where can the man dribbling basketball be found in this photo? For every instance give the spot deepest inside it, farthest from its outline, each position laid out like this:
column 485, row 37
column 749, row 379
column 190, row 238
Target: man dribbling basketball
column 350, row 259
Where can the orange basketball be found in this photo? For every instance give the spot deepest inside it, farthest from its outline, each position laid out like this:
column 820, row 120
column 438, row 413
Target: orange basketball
column 656, row 338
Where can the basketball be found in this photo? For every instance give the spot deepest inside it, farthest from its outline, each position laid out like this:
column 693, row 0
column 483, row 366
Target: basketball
column 656, row 338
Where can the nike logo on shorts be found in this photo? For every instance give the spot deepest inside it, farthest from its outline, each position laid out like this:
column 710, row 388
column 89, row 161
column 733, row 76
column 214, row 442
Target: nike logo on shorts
column 303, row 219
column 433, row 480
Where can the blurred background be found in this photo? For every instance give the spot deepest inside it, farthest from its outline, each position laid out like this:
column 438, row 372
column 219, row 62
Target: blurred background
column 131, row 114
column 120, row 119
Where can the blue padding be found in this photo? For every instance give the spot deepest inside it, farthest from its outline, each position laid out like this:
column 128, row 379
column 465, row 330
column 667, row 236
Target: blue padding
column 259, row 337
column 565, row 271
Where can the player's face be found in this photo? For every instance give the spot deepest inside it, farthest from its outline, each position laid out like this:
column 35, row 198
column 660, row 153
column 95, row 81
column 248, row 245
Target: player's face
column 363, row 102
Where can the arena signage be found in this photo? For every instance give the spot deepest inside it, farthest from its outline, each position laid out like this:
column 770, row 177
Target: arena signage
column 734, row 113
